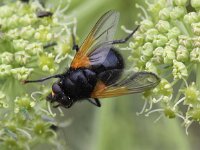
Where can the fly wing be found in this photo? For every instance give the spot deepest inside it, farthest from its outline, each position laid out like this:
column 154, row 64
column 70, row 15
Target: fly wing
column 97, row 44
column 128, row 84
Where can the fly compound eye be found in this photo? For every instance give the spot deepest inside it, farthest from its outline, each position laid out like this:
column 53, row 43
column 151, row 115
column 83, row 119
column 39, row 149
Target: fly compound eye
column 56, row 88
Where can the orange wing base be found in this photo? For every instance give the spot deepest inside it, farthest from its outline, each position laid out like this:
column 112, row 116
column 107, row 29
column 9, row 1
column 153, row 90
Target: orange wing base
column 102, row 91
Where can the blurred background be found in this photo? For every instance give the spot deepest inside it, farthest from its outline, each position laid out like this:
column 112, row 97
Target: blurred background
column 115, row 126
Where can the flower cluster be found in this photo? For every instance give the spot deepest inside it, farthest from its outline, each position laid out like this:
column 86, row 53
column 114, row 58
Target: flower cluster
column 167, row 43
column 31, row 46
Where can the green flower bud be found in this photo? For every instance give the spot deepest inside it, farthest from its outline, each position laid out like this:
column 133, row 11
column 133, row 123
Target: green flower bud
column 179, row 70
column 43, row 34
column 41, row 129
column 196, row 28
column 156, row 7
column 12, row 21
column 166, row 100
column 21, row 57
column 27, row 19
column 143, row 60
column 172, row 43
column 23, row 102
column 173, row 33
column 163, row 26
column 182, row 54
column 160, row 40
column 194, row 114
column 164, row 14
column 144, row 52
column 195, row 55
column 180, row 2
column 27, row 32
column 34, row 48
column 46, row 62
column 6, row 11
column 6, row 57
column 169, row 112
column 145, row 25
column 195, row 4
column 164, row 88
column 192, row 95
column 5, row 70
column 177, row 12
column 169, row 55
column 21, row 73
column 151, row 67
column 139, row 40
column 150, row 34
column 137, row 52
column 185, row 41
column 158, row 55
column 139, row 63
column 13, row 34
column 11, row 143
column 132, row 45
column 191, row 17
column 147, row 50
column 20, row 44
column 195, row 41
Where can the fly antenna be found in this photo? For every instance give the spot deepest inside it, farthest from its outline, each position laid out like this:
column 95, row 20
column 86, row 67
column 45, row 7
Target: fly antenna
column 43, row 79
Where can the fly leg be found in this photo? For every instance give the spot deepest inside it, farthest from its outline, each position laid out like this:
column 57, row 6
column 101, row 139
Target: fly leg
column 121, row 41
column 95, row 101
column 75, row 46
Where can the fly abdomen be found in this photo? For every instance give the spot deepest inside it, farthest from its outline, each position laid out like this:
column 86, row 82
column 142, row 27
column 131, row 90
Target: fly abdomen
column 109, row 71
